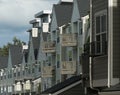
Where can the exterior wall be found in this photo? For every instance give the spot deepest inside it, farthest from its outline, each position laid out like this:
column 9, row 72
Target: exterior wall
column 99, row 62
column 116, row 39
column 75, row 14
column 97, row 6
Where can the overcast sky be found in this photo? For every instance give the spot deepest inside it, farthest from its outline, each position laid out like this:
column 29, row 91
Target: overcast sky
column 15, row 16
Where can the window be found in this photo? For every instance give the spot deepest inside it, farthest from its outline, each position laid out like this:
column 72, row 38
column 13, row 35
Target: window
column 18, row 73
column 33, row 70
column 70, row 55
column 14, row 74
column 101, row 32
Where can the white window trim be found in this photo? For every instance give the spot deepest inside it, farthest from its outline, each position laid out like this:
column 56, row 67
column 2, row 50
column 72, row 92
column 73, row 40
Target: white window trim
column 100, row 13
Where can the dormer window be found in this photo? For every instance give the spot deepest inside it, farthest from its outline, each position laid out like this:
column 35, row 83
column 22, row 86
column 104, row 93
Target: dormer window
column 101, row 32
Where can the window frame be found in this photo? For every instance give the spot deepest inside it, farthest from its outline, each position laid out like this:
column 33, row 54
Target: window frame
column 100, row 14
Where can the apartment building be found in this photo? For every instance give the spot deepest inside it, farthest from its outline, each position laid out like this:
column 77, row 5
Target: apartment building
column 73, row 50
column 69, row 32
column 104, row 47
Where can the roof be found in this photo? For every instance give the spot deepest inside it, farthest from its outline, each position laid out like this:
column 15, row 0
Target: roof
column 3, row 62
column 34, row 20
column 63, row 13
column 63, row 1
column 62, row 85
column 84, row 7
column 16, row 54
column 44, row 12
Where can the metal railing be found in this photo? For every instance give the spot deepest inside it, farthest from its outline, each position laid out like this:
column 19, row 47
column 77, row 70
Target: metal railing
column 96, row 48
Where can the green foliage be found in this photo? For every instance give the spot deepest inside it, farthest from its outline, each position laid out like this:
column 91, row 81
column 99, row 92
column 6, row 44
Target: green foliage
column 39, row 88
column 4, row 50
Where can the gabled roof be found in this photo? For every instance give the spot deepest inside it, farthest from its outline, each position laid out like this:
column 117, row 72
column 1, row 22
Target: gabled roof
column 62, row 85
column 16, row 54
column 3, row 62
column 34, row 21
column 44, row 12
column 63, row 13
column 84, row 7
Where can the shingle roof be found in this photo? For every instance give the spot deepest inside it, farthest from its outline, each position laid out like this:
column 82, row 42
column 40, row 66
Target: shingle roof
column 3, row 62
column 63, row 13
column 16, row 54
column 62, row 85
column 84, row 7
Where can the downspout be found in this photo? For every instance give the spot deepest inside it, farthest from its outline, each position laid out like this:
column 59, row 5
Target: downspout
column 110, row 39
column 90, row 59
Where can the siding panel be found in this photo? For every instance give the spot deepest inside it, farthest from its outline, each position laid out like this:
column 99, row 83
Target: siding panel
column 100, row 68
column 116, row 39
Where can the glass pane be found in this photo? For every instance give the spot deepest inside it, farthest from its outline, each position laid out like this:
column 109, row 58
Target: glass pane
column 98, row 24
column 98, row 47
column 98, row 38
column 103, row 23
column 104, row 37
column 104, row 46
column 98, row 44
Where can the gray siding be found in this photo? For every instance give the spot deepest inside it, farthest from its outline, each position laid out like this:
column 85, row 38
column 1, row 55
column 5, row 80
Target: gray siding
column 100, row 63
column 100, row 68
column 116, row 39
column 98, row 5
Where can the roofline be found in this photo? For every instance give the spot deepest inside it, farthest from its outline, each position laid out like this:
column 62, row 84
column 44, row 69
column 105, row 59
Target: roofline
column 66, row 88
column 29, row 30
column 42, row 13
column 34, row 21
column 65, row 1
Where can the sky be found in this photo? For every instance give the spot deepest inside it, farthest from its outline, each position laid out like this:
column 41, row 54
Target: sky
column 15, row 16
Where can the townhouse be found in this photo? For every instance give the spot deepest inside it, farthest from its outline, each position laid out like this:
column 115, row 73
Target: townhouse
column 73, row 50
column 102, row 53
column 69, row 32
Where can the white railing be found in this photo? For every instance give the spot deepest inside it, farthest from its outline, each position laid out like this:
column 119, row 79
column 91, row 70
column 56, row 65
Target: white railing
column 68, row 67
column 48, row 47
column 47, row 71
column 69, row 39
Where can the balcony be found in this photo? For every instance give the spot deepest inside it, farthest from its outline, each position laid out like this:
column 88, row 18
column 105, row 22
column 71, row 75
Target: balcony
column 47, row 71
column 68, row 67
column 96, row 48
column 48, row 47
column 69, row 39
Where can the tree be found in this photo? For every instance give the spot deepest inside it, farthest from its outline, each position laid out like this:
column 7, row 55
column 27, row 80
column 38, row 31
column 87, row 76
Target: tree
column 4, row 50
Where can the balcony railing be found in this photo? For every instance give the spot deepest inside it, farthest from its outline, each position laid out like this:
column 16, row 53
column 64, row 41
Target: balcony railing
column 48, row 47
column 69, row 39
column 68, row 67
column 47, row 71
column 96, row 48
